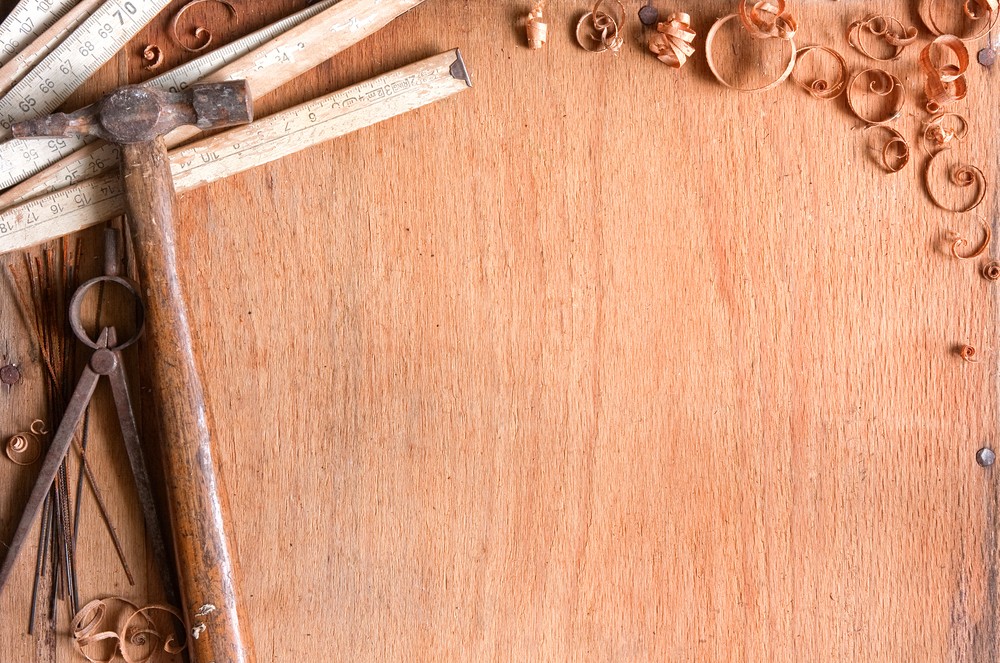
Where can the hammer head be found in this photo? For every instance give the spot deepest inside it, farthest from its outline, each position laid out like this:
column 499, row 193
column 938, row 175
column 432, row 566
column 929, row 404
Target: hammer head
column 137, row 114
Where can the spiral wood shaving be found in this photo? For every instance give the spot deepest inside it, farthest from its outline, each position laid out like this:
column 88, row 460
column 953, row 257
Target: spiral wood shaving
column 781, row 27
column 973, row 10
column 672, row 41
column 944, row 83
column 938, row 134
column 895, row 152
column 819, row 87
column 991, row 271
column 961, row 241
column 600, row 29
column 890, row 30
column 133, row 630
column 968, row 353
column 537, row 29
column 880, row 83
column 767, row 19
column 153, row 57
column 26, row 448
column 961, row 176
column 200, row 33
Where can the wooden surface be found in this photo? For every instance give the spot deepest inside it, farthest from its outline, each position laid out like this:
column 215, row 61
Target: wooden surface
column 597, row 362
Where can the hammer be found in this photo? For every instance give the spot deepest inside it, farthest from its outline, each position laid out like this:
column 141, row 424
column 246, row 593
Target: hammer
column 136, row 118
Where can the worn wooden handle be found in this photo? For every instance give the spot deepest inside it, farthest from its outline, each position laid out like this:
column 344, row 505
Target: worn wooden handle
column 198, row 509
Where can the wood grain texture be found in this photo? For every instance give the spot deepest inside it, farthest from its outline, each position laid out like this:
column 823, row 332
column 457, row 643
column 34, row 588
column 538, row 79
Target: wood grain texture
column 596, row 362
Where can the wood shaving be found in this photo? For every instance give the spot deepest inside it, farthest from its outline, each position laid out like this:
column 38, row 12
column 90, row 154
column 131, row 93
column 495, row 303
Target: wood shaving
column 200, row 33
column 537, row 29
column 891, row 30
column 153, row 57
column 600, row 29
column 767, row 19
column 968, row 353
column 710, row 39
column 961, row 176
column 895, row 152
column 672, row 41
column 991, row 271
column 819, row 87
column 880, row 83
column 138, row 634
column 944, row 83
column 938, row 134
column 972, row 10
column 961, row 241
column 26, row 448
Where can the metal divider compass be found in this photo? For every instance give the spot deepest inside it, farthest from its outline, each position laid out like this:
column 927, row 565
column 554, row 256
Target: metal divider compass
column 106, row 360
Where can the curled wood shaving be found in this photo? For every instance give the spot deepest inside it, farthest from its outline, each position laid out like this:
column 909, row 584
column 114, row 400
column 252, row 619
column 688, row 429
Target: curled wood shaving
column 890, row 29
column 961, row 176
column 938, row 134
column 600, row 29
column 961, row 241
column 819, row 87
column 200, row 33
column 135, row 633
column 153, row 57
column 991, row 271
column 767, row 19
column 26, row 448
column 973, row 10
column 944, row 83
column 968, row 353
column 710, row 39
column 672, row 41
column 536, row 28
column 895, row 152
column 880, row 83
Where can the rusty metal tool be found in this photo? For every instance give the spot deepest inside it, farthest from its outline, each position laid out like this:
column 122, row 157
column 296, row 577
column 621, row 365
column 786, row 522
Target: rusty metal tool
column 105, row 361
column 136, row 118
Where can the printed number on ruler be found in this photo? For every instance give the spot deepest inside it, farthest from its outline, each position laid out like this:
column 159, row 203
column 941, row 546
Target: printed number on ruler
column 28, row 20
column 14, row 169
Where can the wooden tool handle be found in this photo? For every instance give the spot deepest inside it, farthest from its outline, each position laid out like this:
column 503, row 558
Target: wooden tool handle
column 198, row 510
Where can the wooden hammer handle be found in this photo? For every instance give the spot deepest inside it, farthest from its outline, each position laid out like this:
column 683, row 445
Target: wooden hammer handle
column 198, row 509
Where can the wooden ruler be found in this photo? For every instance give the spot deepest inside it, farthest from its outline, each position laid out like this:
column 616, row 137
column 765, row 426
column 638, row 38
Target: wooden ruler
column 96, row 200
column 299, row 47
column 44, row 153
column 64, row 69
column 26, row 22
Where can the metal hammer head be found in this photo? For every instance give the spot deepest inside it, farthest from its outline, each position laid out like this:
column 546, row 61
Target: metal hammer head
column 136, row 114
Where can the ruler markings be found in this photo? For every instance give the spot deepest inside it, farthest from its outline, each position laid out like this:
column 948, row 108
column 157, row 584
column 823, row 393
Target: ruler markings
column 15, row 167
column 27, row 21
column 240, row 149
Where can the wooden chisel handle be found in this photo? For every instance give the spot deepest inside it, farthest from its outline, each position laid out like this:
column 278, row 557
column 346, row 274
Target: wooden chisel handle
column 198, row 509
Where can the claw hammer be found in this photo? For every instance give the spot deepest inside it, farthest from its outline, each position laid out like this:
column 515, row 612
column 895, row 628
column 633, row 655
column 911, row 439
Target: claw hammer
column 137, row 118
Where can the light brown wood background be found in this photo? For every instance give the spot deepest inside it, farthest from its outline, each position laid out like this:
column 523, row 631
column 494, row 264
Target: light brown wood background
column 598, row 361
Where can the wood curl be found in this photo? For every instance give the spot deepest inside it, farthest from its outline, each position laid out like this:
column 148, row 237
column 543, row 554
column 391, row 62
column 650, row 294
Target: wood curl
column 895, row 152
column 153, row 57
column 991, row 271
column 535, row 26
column 961, row 176
column 968, row 354
column 134, row 632
column 201, row 33
column 819, row 87
column 944, row 83
column 880, row 83
column 767, row 19
column 672, row 41
column 710, row 40
column 937, row 132
column 26, row 448
column 960, row 241
column 600, row 29
column 890, row 29
column 972, row 10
